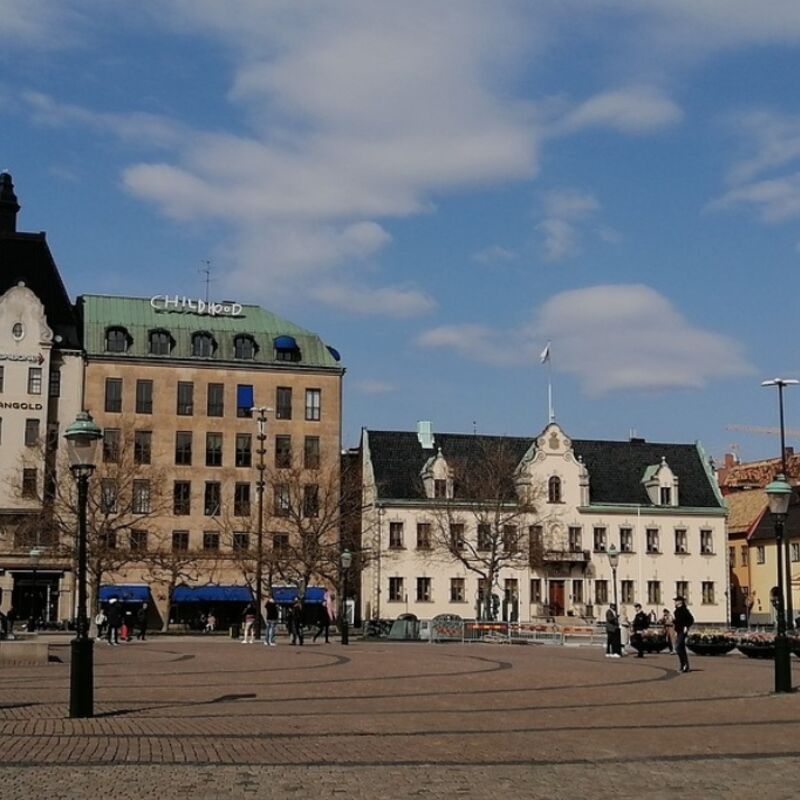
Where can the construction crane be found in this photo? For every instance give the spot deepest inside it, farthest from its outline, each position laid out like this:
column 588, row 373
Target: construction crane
column 766, row 429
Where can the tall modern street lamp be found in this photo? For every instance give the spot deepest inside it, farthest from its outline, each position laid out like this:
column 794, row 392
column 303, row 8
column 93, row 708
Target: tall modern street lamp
column 346, row 560
column 613, row 562
column 787, row 557
column 35, row 555
column 83, row 439
column 779, row 493
column 261, row 420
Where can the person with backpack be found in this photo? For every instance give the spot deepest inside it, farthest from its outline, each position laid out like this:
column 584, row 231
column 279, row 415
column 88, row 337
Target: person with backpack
column 682, row 620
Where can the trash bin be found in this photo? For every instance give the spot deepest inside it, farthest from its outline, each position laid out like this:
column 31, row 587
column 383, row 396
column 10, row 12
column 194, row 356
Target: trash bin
column 235, row 631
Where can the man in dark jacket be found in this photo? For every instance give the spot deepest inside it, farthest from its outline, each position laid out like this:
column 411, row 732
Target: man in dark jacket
column 114, row 616
column 613, row 634
column 296, row 621
column 271, row 614
column 641, row 622
column 682, row 619
column 141, row 622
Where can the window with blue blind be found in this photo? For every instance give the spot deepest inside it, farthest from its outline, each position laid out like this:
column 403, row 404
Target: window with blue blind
column 244, row 400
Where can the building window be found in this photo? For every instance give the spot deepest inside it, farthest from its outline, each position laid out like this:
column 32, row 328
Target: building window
column 456, row 536
column 245, row 401
column 180, row 541
column 280, row 542
column 111, row 445
column 29, row 482
column 244, row 449
column 283, row 402
column 575, row 535
column 117, row 340
column 601, row 592
column 708, row 593
column 215, row 399
column 203, row 344
column 183, row 448
column 144, row 397
column 138, row 541
column 182, row 498
column 510, row 539
column 396, row 591
column 241, row 500
column 396, row 535
column 761, row 554
column 311, row 452
column 681, row 541
column 313, row 405
column 211, row 541
column 2, row 377
column 706, row 542
column 185, row 398
column 458, row 591
column 282, row 500
column 283, row 451
column 744, row 555
column 141, row 497
column 108, row 496
column 31, row 432
column 626, row 540
column 111, row 540
column 423, row 536
column 54, row 389
column 665, row 494
column 626, row 591
column 160, row 343
column 241, row 541
column 113, row 404
column 484, row 536
column 795, row 551
column 535, row 544
column 682, row 590
column 652, row 540
column 577, row 590
column 600, row 540
column 424, row 594
column 536, row 590
column 212, row 498
column 311, row 500
column 213, row 449
column 654, row 593
column 732, row 556
column 142, row 447
column 244, row 347
column 554, row 490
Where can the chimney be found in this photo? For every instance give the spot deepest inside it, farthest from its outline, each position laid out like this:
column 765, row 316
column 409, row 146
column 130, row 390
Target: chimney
column 425, row 434
column 8, row 204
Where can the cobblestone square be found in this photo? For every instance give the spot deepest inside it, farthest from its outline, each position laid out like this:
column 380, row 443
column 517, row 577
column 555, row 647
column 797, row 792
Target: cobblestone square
column 210, row 718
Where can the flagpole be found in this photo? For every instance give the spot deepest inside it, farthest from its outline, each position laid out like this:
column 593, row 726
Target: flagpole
column 544, row 358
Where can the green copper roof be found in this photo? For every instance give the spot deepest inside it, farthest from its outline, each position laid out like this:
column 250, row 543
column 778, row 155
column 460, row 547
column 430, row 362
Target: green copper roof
column 139, row 316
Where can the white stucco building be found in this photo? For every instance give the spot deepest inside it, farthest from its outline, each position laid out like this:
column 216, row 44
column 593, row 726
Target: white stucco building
column 658, row 504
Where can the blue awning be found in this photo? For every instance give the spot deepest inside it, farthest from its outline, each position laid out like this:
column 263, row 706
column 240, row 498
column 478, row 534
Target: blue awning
column 334, row 352
column 285, row 343
column 212, row 593
column 287, row 594
column 125, row 592
column 244, row 396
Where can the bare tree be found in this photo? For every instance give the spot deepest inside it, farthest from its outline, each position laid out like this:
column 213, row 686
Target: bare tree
column 483, row 521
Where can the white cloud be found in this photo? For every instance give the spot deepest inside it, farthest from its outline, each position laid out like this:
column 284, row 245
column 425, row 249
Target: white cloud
column 374, row 386
column 495, row 254
column 775, row 200
column 564, row 212
column 612, row 338
column 386, row 301
column 40, row 24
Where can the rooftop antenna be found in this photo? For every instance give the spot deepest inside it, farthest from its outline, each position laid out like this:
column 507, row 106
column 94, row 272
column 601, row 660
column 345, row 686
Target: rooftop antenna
column 206, row 270
column 474, row 428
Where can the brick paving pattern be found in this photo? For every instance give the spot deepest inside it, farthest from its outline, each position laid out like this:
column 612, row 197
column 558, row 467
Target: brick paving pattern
column 210, row 718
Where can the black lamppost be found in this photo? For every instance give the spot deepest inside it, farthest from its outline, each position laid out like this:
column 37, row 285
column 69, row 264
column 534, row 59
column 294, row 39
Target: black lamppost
column 261, row 419
column 35, row 556
column 779, row 493
column 613, row 562
column 346, row 560
column 780, row 383
column 83, row 438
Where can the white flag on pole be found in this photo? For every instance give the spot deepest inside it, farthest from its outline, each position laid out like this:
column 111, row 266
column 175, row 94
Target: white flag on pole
column 545, row 354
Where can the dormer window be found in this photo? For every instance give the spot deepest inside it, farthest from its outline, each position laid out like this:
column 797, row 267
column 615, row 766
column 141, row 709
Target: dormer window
column 554, row 490
column 244, row 347
column 286, row 348
column 160, row 343
column 203, row 344
column 661, row 484
column 117, row 340
column 437, row 478
column 666, row 496
column 440, row 488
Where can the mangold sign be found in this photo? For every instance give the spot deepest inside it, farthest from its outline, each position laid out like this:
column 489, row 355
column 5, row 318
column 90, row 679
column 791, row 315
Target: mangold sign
column 21, row 406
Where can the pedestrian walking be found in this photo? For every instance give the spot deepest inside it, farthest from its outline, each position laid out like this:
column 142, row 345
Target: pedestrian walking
column 641, row 622
column 323, row 624
column 114, row 617
column 141, row 622
column 669, row 629
column 613, row 640
column 100, row 620
column 11, row 618
column 296, row 621
column 271, row 615
column 682, row 620
column 249, row 624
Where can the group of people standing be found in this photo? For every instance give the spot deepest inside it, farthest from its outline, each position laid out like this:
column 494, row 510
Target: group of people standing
column 114, row 624
column 294, row 618
column 675, row 627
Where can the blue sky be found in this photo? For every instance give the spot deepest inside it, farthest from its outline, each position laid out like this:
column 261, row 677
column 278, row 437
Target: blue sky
column 438, row 189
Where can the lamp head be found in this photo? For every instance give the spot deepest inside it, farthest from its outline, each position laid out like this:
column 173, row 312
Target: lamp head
column 779, row 493
column 347, row 559
column 613, row 557
column 83, row 437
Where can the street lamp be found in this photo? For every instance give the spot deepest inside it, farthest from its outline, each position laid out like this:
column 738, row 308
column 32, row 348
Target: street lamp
column 261, row 419
column 35, row 555
column 613, row 562
column 83, row 439
column 781, row 383
column 779, row 493
column 346, row 560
